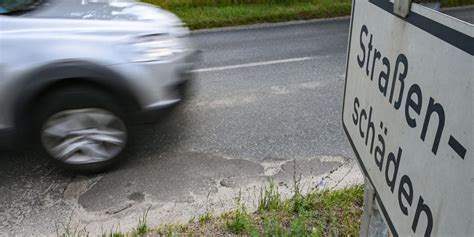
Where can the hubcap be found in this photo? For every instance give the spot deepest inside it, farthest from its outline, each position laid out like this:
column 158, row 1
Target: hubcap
column 84, row 136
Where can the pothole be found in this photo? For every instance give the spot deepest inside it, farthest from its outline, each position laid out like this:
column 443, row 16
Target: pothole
column 79, row 186
column 136, row 197
column 228, row 183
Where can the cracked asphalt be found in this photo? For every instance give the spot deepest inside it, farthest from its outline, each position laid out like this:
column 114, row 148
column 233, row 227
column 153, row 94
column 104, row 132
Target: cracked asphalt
column 241, row 127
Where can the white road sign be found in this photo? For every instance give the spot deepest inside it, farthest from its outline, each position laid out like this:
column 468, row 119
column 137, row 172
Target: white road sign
column 408, row 113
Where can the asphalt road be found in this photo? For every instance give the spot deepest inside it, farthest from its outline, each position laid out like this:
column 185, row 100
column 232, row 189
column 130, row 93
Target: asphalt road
column 263, row 96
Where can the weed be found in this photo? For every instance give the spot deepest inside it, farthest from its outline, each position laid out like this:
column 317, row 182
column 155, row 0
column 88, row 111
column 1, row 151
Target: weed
column 273, row 226
column 171, row 230
column 204, row 219
column 113, row 232
column 142, row 227
column 270, row 198
column 69, row 229
column 297, row 200
column 240, row 222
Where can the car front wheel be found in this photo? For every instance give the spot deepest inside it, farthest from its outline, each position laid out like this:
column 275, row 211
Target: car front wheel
column 82, row 129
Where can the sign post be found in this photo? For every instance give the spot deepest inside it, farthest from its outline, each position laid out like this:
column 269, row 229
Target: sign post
column 408, row 114
column 372, row 223
column 402, row 7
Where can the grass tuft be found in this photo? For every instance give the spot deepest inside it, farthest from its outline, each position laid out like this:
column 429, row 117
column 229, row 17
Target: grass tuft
column 113, row 232
column 142, row 227
column 270, row 198
column 239, row 221
column 69, row 229
column 206, row 218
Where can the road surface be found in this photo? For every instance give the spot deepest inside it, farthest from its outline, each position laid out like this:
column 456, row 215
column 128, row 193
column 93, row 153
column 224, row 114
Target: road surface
column 264, row 96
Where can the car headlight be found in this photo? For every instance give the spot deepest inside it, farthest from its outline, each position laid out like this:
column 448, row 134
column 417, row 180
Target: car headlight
column 156, row 48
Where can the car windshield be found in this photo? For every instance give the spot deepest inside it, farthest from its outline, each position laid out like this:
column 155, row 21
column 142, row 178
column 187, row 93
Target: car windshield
column 12, row 6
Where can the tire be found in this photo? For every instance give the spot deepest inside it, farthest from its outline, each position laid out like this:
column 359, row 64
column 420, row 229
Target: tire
column 81, row 128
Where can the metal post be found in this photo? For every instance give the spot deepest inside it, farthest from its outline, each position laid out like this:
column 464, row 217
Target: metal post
column 369, row 197
column 402, row 7
column 372, row 223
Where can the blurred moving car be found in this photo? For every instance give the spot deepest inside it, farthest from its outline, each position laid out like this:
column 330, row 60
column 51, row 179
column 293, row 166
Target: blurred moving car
column 75, row 74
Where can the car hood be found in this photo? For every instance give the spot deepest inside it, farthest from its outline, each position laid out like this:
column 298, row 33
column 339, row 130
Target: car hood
column 126, row 10
column 108, row 18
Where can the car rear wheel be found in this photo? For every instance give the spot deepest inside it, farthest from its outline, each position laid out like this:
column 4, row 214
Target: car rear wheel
column 81, row 129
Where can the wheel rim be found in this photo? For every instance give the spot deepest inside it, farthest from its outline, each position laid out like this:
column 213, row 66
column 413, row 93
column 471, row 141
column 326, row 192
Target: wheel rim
column 84, row 136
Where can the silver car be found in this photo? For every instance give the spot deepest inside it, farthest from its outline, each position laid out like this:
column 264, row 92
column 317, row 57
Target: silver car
column 75, row 74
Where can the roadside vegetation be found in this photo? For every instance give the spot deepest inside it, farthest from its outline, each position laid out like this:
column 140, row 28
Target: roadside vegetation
column 321, row 213
column 316, row 213
column 208, row 14
column 200, row 14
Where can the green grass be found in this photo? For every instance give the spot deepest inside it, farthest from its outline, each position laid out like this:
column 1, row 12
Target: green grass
column 68, row 229
column 456, row 3
column 142, row 227
column 319, row 213
column 209, row 14
column 113, row 232
column 270, row 198
column 240, row 221
column 206, row 218
column 198, row 14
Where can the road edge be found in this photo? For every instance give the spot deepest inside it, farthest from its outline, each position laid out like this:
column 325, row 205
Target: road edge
column 268, row 25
